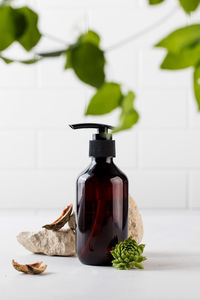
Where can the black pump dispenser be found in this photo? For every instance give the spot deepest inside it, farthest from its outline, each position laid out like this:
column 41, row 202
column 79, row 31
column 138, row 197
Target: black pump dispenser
column 102, row 144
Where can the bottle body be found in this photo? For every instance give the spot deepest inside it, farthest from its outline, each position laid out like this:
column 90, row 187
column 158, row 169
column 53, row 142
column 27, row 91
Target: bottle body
column 102, row 211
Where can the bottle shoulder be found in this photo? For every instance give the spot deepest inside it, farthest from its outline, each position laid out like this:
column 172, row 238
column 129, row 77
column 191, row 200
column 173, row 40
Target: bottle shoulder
column 101, row 171
column 119, row 171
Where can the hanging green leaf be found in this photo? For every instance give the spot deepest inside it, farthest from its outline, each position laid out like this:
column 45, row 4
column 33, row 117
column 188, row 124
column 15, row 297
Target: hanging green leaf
column 30, row 61
column 127, row 102
column 181, row 38
column 6, row 60
column 31, row 35
column 106, row 99
column 68, row 64
column 196, row 79
column 153, row 2
column 90, row 37
column 20, row 23
column 189, row 5
column 24, row 61
column 129, row 116
column 127, row 120
column 185, row 58
column 88, row 63
column 12, row 26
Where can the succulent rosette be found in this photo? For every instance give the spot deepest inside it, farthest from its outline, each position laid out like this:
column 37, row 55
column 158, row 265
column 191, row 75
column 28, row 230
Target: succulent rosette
column 127, row 255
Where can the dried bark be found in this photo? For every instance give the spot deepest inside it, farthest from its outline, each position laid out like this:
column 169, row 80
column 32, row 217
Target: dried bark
column 61, row 221
column 34, row 268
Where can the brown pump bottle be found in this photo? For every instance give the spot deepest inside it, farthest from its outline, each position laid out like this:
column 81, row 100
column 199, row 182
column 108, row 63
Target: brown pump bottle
column 102, row 201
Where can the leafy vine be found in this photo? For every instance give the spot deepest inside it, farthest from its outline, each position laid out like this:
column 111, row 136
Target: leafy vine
column 87, row 59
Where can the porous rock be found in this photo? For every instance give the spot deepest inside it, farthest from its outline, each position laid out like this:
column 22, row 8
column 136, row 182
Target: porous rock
column 135, row 226
column 49, row 242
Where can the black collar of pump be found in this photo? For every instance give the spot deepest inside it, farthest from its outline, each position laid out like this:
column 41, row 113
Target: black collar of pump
column 102, row 144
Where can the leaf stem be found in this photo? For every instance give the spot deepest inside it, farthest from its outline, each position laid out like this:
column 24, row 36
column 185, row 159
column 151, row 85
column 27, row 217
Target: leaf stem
column 58, row 52
column 144, row 31
column 51, row 53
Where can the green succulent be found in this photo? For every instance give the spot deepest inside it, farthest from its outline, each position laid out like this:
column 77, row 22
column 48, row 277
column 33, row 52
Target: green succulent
column 127, row 255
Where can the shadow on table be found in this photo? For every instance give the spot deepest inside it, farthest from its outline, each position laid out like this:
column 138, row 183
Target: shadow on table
column 172, row 261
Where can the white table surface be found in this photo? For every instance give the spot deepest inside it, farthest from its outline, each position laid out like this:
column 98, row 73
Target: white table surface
column 172, row 270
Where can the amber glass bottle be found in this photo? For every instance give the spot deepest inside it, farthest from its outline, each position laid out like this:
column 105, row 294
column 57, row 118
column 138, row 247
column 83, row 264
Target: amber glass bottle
column 102, row 201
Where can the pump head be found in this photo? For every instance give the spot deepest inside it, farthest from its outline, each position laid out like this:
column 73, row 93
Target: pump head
column 101, row 144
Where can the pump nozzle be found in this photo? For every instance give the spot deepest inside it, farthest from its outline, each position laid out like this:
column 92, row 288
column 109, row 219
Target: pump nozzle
column 100, row 127
column 102, row 144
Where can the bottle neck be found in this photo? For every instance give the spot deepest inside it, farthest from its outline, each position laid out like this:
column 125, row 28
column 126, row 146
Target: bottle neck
column 100, row 160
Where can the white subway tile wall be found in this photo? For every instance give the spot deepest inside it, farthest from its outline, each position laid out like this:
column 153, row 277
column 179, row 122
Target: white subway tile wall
column 40, row 157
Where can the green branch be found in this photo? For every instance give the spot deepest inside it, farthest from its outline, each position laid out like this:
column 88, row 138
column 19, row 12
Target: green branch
column 86, row 58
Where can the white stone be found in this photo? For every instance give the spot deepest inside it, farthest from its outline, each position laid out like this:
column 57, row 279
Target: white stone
column 135, row 226
column 49, row 242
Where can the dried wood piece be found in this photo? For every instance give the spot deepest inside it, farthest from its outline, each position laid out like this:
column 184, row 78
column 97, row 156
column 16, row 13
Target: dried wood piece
column 35, row 268
column 61, row 221
column 72, row 222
